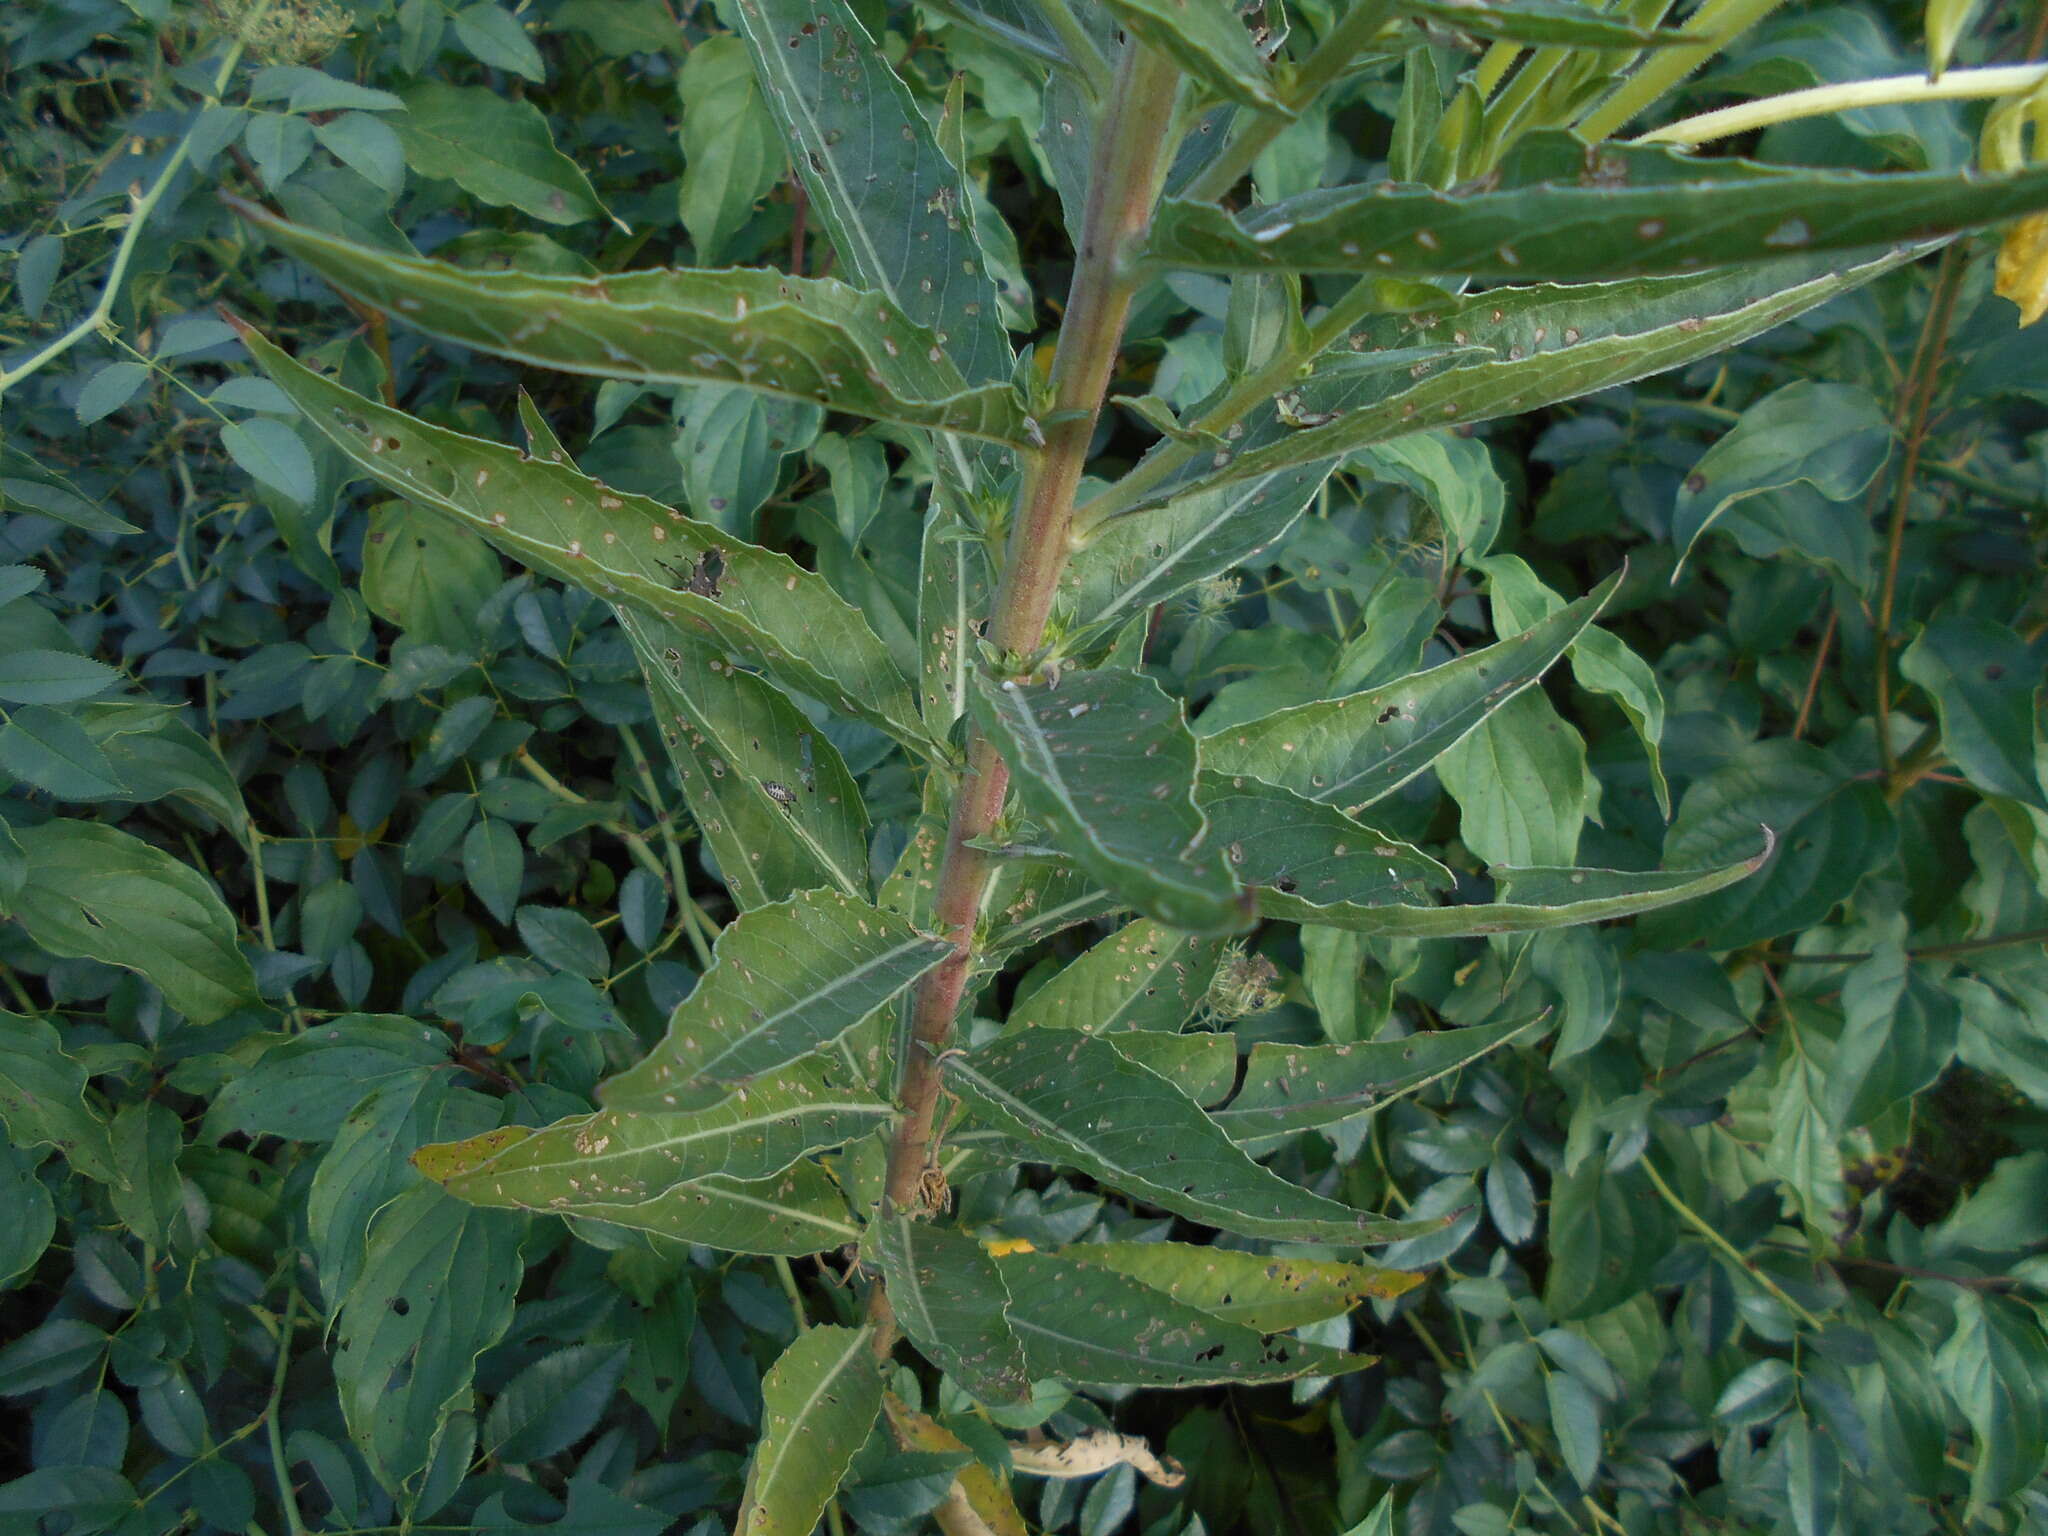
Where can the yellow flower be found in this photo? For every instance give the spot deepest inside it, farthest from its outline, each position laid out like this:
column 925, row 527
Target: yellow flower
column 2023, row 267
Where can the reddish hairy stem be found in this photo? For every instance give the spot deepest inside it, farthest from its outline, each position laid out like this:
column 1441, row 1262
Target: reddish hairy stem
column 1130, row 160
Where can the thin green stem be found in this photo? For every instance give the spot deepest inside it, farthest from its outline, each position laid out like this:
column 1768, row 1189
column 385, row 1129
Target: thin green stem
column 1251, row 136
column 1726, row 1249
column 1132, row 149
column 280, row 1468
column 700, row 927
column 1716, row 23
column 141, row 206
column 1821, row 100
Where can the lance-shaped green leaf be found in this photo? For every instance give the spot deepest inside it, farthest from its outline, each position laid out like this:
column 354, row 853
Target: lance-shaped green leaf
column 1558, row 208
column 1564, row 23
column 1144, row 976
column 1093, row 1327
column 1031, row 899
column 805, row 339
column 784, row 980
column 1300, row 855
column 42, row 1099
column 896, row 209
column 626, row 1156
column 955, row 583
column 1104, row 762
column 1077, row 1102
column 1207, row 40
column 1202, row 1063
column 1550, row 898
column 1290, row 1088
column 763, row 607
column 949, row 1298
column 1255, row 1290
column 1133, row 563
column 800, row 1210
column 1508, row 350
column 819, row 1402
column 767, row 788
column 1353, row 750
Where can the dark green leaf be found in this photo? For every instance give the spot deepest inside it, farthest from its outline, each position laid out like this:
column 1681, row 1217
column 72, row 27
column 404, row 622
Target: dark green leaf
column 1103, row 760
column 554, row 1402
column 784, row 980
column 50, row 750
column 496, row 149
column 1982, row 678
column 1559, row 209
column 495, row 865
column 803, row 339
column 1074, row 1100
column 42, row 1098
column 818, row 1403
column 1144, row 976
column 949, row 1298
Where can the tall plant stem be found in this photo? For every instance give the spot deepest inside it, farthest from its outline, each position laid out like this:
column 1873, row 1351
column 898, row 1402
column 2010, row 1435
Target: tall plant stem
column 1918, row 400
column 1132, row 145
column 1716, row 23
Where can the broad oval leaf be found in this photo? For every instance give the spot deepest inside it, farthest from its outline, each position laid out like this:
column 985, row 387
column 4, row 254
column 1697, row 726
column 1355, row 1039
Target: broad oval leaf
column 1353, row 750
column 42, row 1098
column 948, row 1296
column 626, row 1156
column 92, row 892
column 1076, row 1101
column 1558, row 208
column 811, row 339
column 765, row 608
column 1104, row 761
column 818, row 1403
column 784, row 980
column 1261, row 1291
column 1093, row 1327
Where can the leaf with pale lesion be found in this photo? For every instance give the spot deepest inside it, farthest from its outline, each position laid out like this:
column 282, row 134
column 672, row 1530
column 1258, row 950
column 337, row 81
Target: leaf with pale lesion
column 1077, row 1102
column 1558, row 208
column 810, row 339
column 1267, row 1292
column 1093, row 1327
column 1104, row 763
column 800, row 1210
column 1300, row 856
column 1353, row 750
column 626, row 1156
column 1144, row 976
column 949, row 1298
column 819, row 1401
column 765, row 610
column 784, row 980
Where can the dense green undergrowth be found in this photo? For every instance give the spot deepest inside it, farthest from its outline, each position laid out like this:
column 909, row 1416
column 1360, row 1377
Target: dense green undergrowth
column 328, row 834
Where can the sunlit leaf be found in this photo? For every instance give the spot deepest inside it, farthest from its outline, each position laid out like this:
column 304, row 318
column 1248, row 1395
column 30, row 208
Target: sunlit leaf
column 1257, row 1290
column 818, row 1402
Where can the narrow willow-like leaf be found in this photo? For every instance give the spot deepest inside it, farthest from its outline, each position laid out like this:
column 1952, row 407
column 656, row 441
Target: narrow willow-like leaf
column 1093, row 1327
column 949, row 1298
column 1030, row 900
column 1079, row 1103
column 798, row 1211
column 955, row 584
column 1207, row 40
column 805, row 339
column 784, row 980
column 1202, row 1064
column 1353, row 750
column 1255, row 1290
column 1565, row 23
column 819, row 1402
column 1144, row 976
column 1299, row 854
column 1103, row 760
column 626, row 1156
column 1297, row 1087
column 1133, row 563
column 1560, row 209
column 766, row 609
column 768, row 790
column 896, row 209
column 1550, row 898
column 1509, row 350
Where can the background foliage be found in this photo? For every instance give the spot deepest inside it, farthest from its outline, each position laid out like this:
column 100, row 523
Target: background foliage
column 1750, row 1241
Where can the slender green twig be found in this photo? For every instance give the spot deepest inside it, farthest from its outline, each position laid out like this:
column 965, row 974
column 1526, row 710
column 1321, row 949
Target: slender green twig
column 280, row 1468
column 1716, row 24
column 1726, row 1249
column 1823, row 100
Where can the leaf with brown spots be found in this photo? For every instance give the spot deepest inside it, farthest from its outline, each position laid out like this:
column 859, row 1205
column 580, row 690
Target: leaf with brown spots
column 818, row 1403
